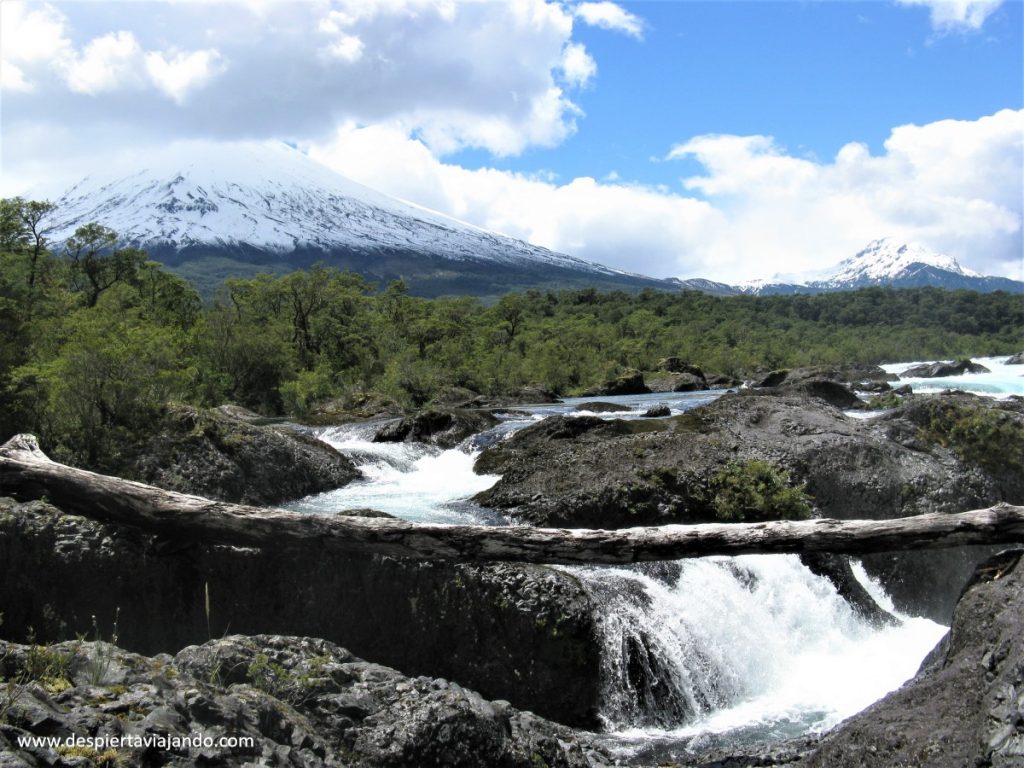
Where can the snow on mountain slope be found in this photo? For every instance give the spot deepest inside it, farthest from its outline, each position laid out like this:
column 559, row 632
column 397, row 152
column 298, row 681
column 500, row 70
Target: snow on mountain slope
column 882, row 262
column 274, row 198
column 886, row 259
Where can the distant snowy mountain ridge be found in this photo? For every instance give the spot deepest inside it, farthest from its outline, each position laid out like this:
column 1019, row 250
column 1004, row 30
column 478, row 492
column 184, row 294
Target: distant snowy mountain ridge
column 884, row 262
column 212, row 211
column 272, row 197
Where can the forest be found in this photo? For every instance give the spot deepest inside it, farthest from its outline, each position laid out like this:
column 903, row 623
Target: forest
column 97, row 339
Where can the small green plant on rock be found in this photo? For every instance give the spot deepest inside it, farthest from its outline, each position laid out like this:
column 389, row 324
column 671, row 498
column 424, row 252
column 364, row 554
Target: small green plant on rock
column 884, row 401
column 110, row 758
column 101, row 658
column 270, row 677
column 48, row 667
column 986, row 437
column 754, row 490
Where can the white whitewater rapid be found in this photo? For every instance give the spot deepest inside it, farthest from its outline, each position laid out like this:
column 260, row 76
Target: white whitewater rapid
column 1000, row 382
column 706, row 651
column 750, row 648
column 409, row 480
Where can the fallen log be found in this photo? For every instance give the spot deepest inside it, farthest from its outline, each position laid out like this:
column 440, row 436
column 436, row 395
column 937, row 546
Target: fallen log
column 27, row 473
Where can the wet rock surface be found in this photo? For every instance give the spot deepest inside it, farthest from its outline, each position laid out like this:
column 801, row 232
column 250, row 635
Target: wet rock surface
column 851, row 375
column 600, row 407
column 443, row 428
column 626, row 384
column 966, row 705
column 657, row 412
column 678, row 382
column 514, row 632
column 938, row 370
column 357, row 407
column 586, row 472
column 222, row 454
column 295, row 701
column 525, row 396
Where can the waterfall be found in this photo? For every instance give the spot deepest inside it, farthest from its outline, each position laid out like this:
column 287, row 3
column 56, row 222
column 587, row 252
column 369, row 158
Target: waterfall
column 712, row 650
column 751, row 642
column 413, row 481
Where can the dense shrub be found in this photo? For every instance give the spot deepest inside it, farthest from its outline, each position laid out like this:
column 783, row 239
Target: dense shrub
column 757, row 490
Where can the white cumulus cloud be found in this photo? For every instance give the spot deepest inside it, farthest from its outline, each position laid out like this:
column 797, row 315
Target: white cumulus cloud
column 497, row 76
column 628, row 226
column 38, row 51
column 577, row 65
column 949, row 15
column 953, row 185
column 176, row 73
column 105, row 64
column 29, row 36
column 608, row 15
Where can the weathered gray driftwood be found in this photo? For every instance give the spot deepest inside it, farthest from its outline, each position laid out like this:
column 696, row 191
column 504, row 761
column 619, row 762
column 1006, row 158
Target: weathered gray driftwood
column 27, row 473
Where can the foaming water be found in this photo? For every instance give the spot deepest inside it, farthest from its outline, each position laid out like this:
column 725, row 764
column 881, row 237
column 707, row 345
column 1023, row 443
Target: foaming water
column 409, row 480
column 696, row 653
column 744, row 649
column 1000, row 382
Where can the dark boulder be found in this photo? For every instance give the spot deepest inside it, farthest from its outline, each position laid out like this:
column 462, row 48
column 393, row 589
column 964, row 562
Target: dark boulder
column 828, row 390
column 626, row 384
column 296, row 701
column 600, row 407
column 862, row 377
column 445, row 429
column 679, row 382
column 939, row 370
column 521, row 633
column 854, row 375
column 530, row 395
column 771, row 379
column 965, row 707
column 832, row 392
column 657, row 412
column 678, row 365
column 837, row 569
column 220, row 454
column 1017, row 359
column 356, row 407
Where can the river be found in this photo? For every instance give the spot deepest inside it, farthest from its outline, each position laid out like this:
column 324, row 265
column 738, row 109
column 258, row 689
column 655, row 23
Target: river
column 741, row 650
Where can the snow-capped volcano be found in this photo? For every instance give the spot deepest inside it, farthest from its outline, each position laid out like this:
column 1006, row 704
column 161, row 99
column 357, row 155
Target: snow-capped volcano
column 267, row 205
column 887, row 262
column 888, row 259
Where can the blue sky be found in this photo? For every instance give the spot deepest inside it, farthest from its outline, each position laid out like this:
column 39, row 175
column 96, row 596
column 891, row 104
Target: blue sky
column 729, row 140
column 814, row 75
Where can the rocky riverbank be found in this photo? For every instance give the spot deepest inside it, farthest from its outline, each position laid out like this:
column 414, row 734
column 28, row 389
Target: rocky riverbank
column 516, row 632
column 524, row 634
column 308, row 702
column 222, row 454
column 290, row 701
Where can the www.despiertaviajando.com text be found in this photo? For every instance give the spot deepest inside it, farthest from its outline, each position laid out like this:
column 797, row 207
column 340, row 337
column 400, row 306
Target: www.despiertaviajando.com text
column 170, row 742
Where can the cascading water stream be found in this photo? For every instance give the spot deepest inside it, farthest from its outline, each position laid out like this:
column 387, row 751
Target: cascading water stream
column 409, row 480
column 703, row 652
column 746, row 648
